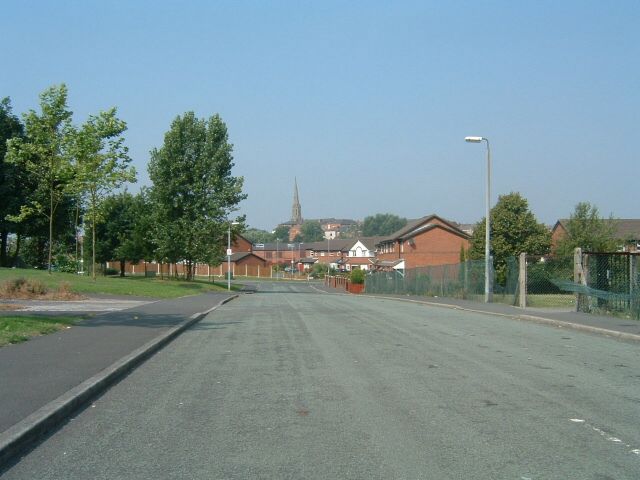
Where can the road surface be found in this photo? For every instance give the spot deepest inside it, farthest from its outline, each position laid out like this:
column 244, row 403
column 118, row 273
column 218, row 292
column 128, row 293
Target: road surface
column 293, row 383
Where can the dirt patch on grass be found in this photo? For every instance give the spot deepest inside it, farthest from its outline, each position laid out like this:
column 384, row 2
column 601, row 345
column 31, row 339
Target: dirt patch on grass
column 23, row 289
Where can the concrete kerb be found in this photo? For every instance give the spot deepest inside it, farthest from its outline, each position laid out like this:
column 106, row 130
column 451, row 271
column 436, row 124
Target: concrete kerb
column 25, row 434
column 522, row 317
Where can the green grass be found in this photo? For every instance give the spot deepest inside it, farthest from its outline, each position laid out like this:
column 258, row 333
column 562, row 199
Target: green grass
column 551, row 301
column 20, row 328
column 135, row 285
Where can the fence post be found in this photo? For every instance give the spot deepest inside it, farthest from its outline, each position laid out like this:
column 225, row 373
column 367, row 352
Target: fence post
column 578, row 276
column 634, row 295
column 633, row 274
column 522, row 280
column 465, row 287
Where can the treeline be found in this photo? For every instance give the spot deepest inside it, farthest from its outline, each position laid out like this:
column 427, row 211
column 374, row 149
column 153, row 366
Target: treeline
column 59, row 182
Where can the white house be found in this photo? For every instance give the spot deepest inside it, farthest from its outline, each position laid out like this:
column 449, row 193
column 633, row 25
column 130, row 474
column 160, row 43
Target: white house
column 360, row 255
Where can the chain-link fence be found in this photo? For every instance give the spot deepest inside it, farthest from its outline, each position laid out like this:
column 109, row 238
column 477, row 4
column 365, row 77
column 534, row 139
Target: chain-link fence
column 544, row 274
column 460, row 280
column 605, row 283
column 610, row 284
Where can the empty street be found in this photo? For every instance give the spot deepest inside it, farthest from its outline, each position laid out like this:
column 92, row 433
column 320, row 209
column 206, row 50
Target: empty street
column 292, row 382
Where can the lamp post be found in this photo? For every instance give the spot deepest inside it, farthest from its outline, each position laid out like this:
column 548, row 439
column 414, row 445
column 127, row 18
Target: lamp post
column 328, row 254
column 277, row 255
column 229, row 255
column 291, row 250
column 487, row 236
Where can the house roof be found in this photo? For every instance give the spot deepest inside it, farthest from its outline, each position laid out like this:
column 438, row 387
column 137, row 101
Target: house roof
column 387, row 263
column 414, row 227
column 369, row 242
column 335, row 245
column 309, row 260
column 236, row 257
column 623, row 228
column 281, row 246
column 358, row 260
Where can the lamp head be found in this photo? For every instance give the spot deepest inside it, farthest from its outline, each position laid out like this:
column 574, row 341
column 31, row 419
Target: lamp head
column 473, row 139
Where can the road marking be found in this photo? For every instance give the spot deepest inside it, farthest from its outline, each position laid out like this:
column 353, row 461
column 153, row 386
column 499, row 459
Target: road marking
column 606, row 435
column 316, row 288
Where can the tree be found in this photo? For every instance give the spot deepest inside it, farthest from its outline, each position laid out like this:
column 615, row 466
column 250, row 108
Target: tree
column 281, row 232
column 101, row 164
column 193, row 190
column 587, row 230
column 311, row 231
column 255, row 235
column 514, row 229
column 124, row 233
column 44, row 153
column 382, row 224
column 11, row 186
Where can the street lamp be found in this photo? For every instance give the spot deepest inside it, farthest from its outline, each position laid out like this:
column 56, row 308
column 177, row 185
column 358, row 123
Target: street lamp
column 229, row 255
column 277, row 259
column 328, row 253
column 299, row 254
column 291, row 250
column 487, row 236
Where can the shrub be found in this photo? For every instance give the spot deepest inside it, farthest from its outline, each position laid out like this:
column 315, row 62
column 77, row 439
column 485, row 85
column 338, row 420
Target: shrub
column 22, row 288
column 357, row 276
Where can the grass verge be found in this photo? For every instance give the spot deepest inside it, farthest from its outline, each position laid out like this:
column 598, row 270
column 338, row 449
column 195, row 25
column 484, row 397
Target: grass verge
column 137, row 286
column 20, row 328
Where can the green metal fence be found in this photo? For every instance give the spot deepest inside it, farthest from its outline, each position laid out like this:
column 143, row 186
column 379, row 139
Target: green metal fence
column 460, row 280
column 612, row 284
column 609, row 283
column 544, row 275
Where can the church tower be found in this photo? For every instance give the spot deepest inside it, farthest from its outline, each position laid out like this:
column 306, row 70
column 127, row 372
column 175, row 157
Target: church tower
column 296, row 210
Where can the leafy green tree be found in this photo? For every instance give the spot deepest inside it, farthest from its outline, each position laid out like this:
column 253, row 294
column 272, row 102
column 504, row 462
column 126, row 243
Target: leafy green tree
column 193, row 190
column 281, row 232
column 101, row 164
column 382, row 224
column 311, row 231
column 255, row 235
column 588, row 230
column 44, row 153
column 11, row 184
column 124, row 233
column 514, row 229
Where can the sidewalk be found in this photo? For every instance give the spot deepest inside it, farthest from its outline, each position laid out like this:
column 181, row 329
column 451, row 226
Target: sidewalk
column 36, row 372
column 627, row 329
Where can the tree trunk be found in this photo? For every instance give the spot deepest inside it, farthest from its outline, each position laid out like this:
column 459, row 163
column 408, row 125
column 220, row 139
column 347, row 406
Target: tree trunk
column 50, row 231
column 3, row 248
column 93, row 232
column 122, row 263
column 17, row 252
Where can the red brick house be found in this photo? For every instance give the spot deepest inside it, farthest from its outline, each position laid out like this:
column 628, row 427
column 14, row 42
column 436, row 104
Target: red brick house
column 240, row 244
column 430, row 240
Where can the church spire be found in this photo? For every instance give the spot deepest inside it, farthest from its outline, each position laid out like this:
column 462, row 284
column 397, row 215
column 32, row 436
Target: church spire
column 296, row 210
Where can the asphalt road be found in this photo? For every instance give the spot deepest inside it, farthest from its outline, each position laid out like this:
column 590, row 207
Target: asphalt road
column 36, row 372
column 293, row 383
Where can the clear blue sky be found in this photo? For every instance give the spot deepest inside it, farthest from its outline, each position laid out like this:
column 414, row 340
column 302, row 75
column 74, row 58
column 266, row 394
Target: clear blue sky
column 367, row 103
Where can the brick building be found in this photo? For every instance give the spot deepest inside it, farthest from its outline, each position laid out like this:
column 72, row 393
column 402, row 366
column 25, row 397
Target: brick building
column 430, row 240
